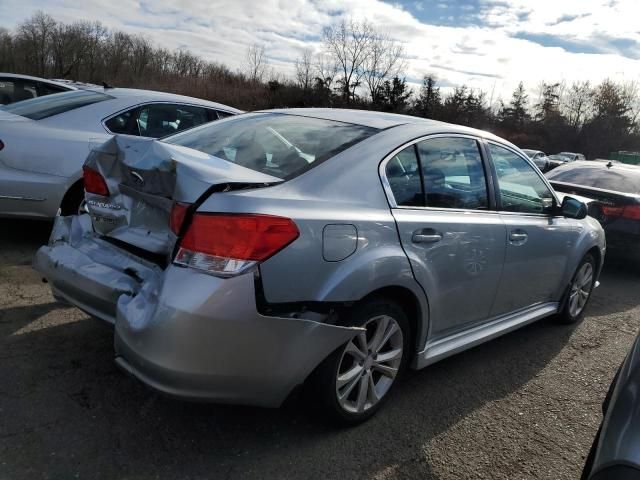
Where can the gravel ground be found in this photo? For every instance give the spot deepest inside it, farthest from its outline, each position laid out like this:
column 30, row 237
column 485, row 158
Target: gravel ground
column 523, row 406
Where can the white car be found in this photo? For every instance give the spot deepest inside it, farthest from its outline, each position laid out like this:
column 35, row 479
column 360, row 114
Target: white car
column 44, row 141
column 15, row 87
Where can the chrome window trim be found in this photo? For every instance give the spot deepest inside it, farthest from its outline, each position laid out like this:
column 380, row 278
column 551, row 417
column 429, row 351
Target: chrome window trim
column 104, row 121
column 387, row 187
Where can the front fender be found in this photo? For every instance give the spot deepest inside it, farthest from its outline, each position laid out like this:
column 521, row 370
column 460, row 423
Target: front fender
column 589, row 235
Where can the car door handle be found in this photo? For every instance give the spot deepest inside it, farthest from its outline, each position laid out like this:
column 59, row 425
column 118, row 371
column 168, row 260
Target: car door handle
column 518, row 236
column 426, row 236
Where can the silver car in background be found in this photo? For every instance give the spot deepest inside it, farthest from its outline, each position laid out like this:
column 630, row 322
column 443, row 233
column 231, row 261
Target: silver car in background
column 44, row 141
column 539, row 158
column 331, row 248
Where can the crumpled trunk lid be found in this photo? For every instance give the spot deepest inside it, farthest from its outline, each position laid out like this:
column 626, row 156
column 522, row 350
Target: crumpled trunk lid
column 145, row 177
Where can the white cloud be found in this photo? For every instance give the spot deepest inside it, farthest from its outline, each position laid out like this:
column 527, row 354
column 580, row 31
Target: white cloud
column 484, row 55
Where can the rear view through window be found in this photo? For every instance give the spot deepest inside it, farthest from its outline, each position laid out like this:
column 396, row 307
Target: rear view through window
column 283, row 146
column 50, row 105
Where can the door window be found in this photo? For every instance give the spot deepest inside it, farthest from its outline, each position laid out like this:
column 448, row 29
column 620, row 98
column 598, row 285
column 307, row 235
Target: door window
column 190, row 116
column 521, row 188
column 16, row 89
column 453, row 174
column 158, row 120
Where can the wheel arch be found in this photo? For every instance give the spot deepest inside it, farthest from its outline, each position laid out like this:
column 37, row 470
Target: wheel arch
column 416, row 311
column 74, row 189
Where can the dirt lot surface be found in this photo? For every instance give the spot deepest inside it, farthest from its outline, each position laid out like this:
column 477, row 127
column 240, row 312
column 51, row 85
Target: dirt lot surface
column 524, row 406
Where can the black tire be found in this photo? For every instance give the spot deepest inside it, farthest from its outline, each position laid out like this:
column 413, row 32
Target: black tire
column 72, row 200
column 323, row 389
column 568, row 315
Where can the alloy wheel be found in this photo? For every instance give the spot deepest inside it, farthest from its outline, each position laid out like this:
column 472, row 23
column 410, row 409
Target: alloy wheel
column 580, row 289
column 369, row 364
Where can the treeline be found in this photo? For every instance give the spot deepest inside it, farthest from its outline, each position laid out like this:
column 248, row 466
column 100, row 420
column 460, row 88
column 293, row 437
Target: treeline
column 358, row 67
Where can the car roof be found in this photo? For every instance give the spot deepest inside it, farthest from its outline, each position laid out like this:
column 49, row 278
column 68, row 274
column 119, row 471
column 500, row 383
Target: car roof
column 601, row 164
column 135, row 95
column 57, row 83
column 382, row 120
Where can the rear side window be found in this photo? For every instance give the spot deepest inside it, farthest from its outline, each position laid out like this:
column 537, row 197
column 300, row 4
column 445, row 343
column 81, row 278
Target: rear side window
column 279, row 145
column 440, row 173
column 159, row 119
column 50, row 105
column 453, row 173
column 605, row 178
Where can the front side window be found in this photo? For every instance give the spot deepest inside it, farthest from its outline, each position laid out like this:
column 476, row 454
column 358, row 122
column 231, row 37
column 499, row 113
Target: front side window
column 277, row 144
column 521, row 188
column 50, row 105
column 158, row 120
column 453, row 174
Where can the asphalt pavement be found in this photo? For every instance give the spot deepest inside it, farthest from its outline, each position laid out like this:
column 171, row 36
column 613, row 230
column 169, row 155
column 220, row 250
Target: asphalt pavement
column 524, row 406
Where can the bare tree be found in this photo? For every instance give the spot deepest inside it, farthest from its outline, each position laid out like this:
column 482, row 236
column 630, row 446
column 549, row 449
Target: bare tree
column 326, row 69
column 349, row 43
column 35, row 37
column 576, row 103
column 304, row 69
column 383, row 61
column 255, row 62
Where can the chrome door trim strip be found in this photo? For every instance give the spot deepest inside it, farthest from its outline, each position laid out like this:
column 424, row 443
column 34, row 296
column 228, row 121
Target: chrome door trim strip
column 28, row 199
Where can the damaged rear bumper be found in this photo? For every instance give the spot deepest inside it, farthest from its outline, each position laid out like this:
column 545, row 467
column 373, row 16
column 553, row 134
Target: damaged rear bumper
column 184, row 333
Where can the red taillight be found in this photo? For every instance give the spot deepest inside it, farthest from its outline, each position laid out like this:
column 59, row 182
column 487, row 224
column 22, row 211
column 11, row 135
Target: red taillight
column 178, row 214
column 94, row 182
column 632, row 212
column 612, row 212
column 225, row 244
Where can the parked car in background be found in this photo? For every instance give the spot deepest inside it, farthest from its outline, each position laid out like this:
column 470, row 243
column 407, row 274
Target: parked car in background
column 15, row 88
column 557, row 160
column 245, row 257
column 572, row 156
column 616, row 187
column 615, row 453
column 539, row 158
column 44, row 141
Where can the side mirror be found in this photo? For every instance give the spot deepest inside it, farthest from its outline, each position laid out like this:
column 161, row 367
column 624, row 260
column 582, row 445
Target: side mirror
column 573, row 208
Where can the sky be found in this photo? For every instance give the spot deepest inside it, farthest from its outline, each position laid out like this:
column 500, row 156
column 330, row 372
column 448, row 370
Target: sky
column 485, row 44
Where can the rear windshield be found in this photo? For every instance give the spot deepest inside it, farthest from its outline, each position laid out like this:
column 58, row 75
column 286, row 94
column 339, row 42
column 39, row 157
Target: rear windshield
column 50, row 105
column 279, row 145
column 605, row 178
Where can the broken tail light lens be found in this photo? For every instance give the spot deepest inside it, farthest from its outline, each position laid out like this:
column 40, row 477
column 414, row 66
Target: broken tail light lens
column 94, row 182
column 230, row 244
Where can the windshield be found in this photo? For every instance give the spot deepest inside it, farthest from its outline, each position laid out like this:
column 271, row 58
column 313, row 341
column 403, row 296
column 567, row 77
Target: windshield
column 280, row 145
column 530, row 153
column 609, row 179
column 50, row 105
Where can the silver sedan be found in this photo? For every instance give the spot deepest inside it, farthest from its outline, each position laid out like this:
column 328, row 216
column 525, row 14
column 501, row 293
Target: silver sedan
column 44, row 141
column 330, row 248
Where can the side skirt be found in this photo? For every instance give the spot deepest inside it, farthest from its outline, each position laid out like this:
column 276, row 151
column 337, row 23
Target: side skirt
column 461, row 341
